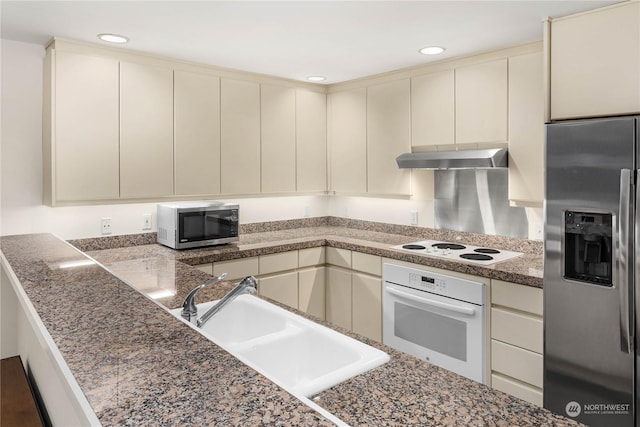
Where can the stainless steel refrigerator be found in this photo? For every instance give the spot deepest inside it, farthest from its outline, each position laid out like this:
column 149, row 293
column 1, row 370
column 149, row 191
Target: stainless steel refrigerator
column 592, row 230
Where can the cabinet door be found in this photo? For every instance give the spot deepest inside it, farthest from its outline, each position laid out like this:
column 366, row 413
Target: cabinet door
column 311, row 291
column 86, row 128
column 146, row 131
column 240, row 137
column 595, row 63
column 278, row 139
column 311, row 141
column 338, row 303
column 197, row 133
column 282, row 288
column 349, row 141
column 481, row 103
column 388, row 136
column 367, row 305
column 433, row 109
column 526, row 130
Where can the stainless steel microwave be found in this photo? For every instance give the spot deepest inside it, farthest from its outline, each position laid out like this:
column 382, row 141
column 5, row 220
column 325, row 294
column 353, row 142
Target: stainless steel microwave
column 185, row 225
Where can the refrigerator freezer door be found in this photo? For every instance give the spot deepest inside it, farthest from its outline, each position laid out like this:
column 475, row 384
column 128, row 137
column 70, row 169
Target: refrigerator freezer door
column 589, row 371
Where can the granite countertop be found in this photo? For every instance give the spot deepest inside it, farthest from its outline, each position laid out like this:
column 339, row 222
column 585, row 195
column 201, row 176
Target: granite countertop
column 130, row 356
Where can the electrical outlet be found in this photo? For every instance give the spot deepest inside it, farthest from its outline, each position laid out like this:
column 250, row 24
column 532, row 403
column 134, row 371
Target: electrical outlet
column 146, row 221
column 345, row 212
column 105, row 226
column 307, row 211
column 414, row 217
column 538, row 231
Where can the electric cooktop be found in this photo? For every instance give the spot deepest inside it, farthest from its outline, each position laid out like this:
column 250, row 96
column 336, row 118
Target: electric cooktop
column 458, row 252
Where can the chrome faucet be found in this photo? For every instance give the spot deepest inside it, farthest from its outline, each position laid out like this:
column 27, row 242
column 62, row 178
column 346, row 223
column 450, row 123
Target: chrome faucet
column 248, row 285
column 189, row 309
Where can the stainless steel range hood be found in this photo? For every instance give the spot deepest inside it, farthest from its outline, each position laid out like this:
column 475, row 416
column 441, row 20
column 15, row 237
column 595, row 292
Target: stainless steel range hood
column 465, row 159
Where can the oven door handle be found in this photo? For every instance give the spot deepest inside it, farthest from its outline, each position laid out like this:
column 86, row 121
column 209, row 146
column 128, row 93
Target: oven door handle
column 427, row 301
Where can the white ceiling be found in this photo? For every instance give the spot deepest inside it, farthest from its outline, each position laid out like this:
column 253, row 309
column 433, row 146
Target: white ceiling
column 342, row 40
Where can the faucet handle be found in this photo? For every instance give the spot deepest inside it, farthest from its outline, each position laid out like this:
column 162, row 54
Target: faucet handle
column 189, row 309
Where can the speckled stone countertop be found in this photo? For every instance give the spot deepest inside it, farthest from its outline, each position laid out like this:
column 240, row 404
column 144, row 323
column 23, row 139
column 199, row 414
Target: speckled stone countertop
column 136, row 364
column 361, row 236
column 130, row 361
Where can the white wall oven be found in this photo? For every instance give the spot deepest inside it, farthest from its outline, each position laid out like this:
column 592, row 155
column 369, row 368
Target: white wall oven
column 435, row 317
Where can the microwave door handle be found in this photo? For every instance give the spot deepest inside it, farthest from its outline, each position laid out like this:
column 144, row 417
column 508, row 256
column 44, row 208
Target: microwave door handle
column 427, row 301
column 623, row 258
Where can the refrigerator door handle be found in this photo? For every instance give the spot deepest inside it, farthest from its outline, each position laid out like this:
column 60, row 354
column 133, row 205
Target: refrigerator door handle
column 623, row 258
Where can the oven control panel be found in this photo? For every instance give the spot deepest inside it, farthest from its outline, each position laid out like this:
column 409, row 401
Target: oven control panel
column 424, row 280
column 427, row 282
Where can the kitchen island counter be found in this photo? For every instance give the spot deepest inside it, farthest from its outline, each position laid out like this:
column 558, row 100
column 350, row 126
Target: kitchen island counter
column 138, row 365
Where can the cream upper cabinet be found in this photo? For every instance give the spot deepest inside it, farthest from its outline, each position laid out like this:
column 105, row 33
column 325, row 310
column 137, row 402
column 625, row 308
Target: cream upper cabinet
column 311, row 141
column 197, row 133
column 526, row 130
column 388, row 136
column 433, row 109
column 240, row 137
column 481, row 103
column 146, row 130
column 278, row 139
column 83, row 143
column 595, row 63
column 348, row 127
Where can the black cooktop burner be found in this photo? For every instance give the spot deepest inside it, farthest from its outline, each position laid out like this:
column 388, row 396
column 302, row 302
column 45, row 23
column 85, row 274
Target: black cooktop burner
column 416, row 247
column 452, row 246
column 486, row 251
column 477, row 257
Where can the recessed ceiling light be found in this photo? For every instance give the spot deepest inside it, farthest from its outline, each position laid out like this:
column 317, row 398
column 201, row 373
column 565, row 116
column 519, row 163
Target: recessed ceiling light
column 431, row 50
column 316, row 78
column 112, row 38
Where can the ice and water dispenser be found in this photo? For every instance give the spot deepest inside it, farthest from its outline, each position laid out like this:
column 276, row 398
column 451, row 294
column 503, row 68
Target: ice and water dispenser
column 588, row 251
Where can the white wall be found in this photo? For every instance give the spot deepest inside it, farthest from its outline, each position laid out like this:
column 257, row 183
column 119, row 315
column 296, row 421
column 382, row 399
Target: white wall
column 21, row 209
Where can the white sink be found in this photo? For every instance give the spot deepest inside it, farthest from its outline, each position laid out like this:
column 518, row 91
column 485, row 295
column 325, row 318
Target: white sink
column 300, row 355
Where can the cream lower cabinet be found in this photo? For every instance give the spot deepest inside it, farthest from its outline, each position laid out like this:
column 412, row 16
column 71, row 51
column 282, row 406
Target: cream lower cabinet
column 354, row 292
column 280, row 287
column 517, row 340
column 312, row 291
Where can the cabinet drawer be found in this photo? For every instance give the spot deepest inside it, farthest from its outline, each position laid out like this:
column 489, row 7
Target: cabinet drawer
column 519, row 297
column 366, row 263
column 207, row 268
column 281, row 287
column 311, row 256
column 236, row 268
column 339, row 257
column 519, row 329
column 278, row 262
column 523, row 365
column 517, row 389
